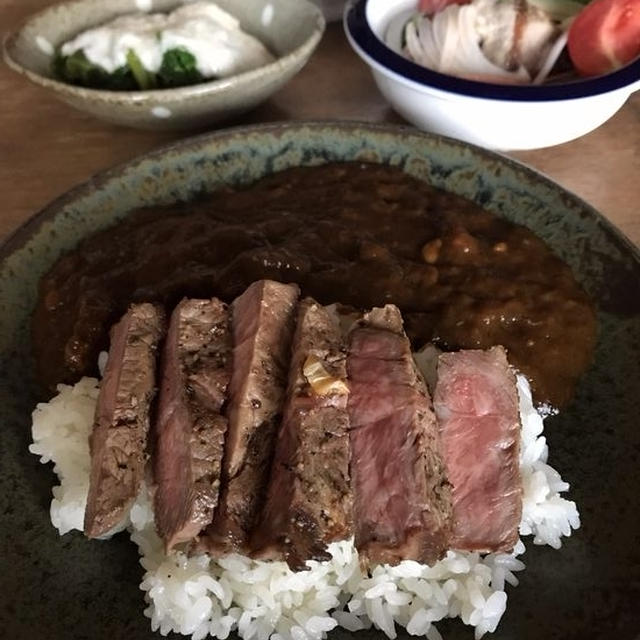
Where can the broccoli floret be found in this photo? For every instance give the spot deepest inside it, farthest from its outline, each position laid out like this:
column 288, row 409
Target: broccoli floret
column 122, row 79
column 77, row 69
column 178, row 69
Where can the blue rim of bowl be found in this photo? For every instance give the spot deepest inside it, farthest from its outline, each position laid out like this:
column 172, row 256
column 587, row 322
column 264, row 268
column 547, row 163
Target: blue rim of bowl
column 361, row 34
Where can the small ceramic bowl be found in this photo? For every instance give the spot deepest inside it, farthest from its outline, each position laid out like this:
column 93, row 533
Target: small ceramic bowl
column 492, row 115
column 291, row 30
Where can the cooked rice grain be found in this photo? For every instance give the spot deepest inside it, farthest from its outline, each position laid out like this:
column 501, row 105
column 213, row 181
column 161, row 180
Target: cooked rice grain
column 197, row 596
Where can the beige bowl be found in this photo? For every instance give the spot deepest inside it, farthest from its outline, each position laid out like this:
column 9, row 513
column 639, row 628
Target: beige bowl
column 291, row 29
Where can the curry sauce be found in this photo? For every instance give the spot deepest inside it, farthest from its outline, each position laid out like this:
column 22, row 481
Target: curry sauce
column 359, row 234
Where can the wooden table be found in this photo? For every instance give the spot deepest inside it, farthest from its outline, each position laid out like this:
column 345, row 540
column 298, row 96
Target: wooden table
column 47, row 147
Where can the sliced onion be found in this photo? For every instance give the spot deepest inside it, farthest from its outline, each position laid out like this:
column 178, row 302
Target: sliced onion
column 551, row 59
column 425, row 32
column 449, row 36
column 412, row 43
column 437, row 32
column 448, row 43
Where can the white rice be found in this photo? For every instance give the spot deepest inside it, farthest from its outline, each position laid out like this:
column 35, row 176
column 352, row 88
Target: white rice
column 198, row 596
column 60, row 433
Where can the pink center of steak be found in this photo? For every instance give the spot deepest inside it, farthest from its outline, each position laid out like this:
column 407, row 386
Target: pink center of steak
column 401, row 496
column 382, row 411
column 477, row 407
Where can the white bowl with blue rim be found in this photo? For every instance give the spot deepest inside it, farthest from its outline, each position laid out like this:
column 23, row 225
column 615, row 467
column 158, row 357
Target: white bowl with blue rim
column 491, row 115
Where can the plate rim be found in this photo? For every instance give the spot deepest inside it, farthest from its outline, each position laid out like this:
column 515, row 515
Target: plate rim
column 17, row 238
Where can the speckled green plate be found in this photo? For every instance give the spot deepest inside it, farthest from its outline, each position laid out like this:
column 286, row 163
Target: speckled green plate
column 73, row 588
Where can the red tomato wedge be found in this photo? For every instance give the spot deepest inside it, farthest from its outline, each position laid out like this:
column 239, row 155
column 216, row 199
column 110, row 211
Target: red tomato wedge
column 604, row 36
column 433, row 6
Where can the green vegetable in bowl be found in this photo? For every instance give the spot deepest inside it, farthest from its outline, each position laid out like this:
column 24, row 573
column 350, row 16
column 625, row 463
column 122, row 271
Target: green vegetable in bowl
column 178, row 69
column 198, row 41
column 76, row 69
column 145, row 79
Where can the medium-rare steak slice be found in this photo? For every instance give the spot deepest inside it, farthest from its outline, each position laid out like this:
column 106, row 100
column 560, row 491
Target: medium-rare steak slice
column 309, row 500
column 119, row 437
column 402, row 498
column 476, row 403
column 263, row 322
column 190, row 428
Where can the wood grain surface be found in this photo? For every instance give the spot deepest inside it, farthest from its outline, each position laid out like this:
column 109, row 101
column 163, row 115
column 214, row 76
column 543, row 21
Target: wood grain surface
column 46, row 147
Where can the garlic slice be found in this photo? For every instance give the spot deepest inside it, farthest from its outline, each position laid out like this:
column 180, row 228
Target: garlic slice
column 321, row 381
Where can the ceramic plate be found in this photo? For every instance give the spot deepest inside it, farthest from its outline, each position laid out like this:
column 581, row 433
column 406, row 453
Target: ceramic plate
column 74, row 589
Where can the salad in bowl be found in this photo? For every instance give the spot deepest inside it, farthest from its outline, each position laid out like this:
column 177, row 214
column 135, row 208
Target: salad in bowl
column 519, row 41
column 503, row 74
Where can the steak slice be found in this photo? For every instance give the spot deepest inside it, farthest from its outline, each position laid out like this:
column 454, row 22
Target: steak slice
column 309, row 500
column 190, row 427
column 119, row 437
column 402, row 498
column 263, row 323
column 476, row 403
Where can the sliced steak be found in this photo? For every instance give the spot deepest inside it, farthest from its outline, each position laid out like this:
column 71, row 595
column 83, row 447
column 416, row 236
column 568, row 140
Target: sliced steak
column 309, row 500
column 402, row 499
column 190, row 427
column 263, row 322
column 476, row 403
column 119, row 437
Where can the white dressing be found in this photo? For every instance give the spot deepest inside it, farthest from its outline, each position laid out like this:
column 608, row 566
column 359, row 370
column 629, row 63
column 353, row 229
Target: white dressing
column 210, row 34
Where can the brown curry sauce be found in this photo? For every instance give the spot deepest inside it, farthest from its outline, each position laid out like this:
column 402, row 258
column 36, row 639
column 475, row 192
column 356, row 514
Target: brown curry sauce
column 358, row 234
